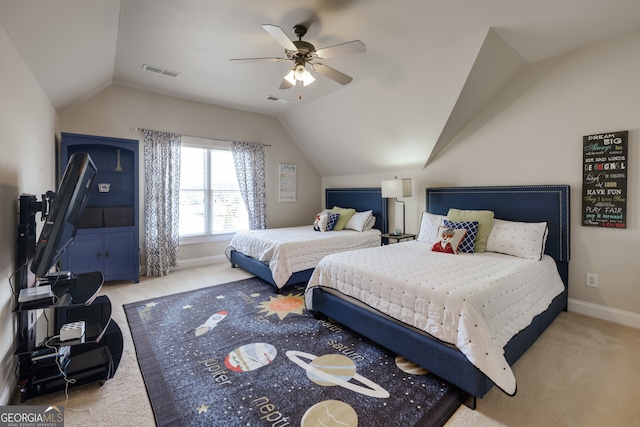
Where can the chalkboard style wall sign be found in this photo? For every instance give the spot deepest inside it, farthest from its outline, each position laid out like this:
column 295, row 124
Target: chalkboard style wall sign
column 604, row 183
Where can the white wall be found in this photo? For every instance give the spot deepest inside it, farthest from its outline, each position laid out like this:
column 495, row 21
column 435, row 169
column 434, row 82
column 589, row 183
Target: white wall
column 117, row 111
column 531, row 133
column 27, row 142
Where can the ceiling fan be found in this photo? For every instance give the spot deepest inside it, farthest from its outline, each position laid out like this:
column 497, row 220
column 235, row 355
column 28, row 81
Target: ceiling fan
column 303, row 53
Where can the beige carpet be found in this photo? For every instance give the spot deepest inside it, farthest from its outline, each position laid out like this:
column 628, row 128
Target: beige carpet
column 581, row 372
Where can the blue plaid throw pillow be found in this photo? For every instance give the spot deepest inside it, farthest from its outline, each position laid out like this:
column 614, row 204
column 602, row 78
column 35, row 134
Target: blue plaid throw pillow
column 469, row 241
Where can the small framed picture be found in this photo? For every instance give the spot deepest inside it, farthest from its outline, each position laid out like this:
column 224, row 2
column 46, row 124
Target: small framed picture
column 287, row 181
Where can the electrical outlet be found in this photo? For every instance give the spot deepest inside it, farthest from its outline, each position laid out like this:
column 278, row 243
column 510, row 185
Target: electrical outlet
column 592, row 280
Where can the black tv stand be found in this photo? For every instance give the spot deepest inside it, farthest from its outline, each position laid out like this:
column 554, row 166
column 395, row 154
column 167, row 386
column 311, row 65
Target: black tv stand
column 55, row 277
column 92, row 358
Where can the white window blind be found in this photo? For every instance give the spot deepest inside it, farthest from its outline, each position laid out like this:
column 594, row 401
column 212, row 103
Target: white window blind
column 210, row 200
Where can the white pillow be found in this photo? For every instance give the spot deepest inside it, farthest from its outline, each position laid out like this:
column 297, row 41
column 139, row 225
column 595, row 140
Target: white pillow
column 371, row 222
column 429, row 227
column 358, row 220
column 521, row 239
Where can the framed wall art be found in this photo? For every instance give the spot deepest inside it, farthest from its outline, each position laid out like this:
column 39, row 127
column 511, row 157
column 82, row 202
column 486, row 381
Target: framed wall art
column 287, row 183
column 604, row 180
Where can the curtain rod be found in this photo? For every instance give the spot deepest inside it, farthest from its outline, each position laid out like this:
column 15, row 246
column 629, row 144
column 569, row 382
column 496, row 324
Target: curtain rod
column 202, row 137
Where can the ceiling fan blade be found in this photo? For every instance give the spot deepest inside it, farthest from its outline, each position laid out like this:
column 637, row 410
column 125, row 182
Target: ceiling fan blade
column 285, row 84
column 258, row 60
column 280, row 36
column 333, row 74
column 355, row 46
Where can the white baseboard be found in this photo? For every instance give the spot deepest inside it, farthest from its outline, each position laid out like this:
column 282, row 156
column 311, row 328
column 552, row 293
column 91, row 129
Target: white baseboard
column 7, row 392
column 614, row 315
column 199, row 262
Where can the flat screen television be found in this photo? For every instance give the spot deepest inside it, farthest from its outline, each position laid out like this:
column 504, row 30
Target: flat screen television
column 64, row 214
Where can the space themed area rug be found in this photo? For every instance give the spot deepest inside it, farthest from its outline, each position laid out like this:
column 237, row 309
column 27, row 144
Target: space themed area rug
column 238, row 354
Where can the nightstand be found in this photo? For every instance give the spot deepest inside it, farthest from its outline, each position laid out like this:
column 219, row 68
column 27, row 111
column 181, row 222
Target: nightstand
column 385, row 238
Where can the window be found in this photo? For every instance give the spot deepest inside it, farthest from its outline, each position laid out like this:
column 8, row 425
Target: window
column 210, row 200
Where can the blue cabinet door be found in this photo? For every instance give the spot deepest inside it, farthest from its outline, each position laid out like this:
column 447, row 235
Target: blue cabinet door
column 85, row 254
column 119, row 252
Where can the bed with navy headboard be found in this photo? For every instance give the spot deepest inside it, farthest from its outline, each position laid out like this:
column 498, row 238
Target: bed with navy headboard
column 528, row 204
column 360, row 199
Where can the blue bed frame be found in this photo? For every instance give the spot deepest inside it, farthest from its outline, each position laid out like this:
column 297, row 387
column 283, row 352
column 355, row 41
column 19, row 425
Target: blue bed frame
column 360, row 199
column 515, row 203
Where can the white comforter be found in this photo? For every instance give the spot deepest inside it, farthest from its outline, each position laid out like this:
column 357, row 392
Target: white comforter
column 476, row 302
column 292, row 249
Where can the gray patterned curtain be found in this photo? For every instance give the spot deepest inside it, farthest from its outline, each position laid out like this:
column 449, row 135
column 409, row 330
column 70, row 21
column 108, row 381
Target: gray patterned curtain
column 248, row 160
column 162, row 201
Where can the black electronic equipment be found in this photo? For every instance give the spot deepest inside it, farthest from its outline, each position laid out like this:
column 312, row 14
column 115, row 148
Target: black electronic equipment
column 65, row 209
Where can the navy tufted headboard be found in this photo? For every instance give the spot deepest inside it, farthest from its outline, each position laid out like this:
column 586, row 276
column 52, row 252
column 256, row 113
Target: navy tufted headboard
column 526, row 203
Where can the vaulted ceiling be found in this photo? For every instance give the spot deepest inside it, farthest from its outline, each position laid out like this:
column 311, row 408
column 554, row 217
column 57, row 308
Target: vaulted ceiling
column 428, row 68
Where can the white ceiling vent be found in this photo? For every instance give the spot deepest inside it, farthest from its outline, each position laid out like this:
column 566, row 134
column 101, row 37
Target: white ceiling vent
column 280, row 100
column 159, row 70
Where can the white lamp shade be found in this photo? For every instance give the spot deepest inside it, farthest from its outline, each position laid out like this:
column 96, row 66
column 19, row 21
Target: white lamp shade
column 395, row 188
column 291, row 76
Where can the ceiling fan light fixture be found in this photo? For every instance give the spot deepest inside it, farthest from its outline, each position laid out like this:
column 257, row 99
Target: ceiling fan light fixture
column 299, row 74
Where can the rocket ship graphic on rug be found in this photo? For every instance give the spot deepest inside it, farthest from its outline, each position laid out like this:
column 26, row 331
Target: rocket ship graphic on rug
column 211, row 323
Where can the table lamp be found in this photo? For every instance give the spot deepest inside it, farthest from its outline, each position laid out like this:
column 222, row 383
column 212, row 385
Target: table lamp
column 395, row 188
